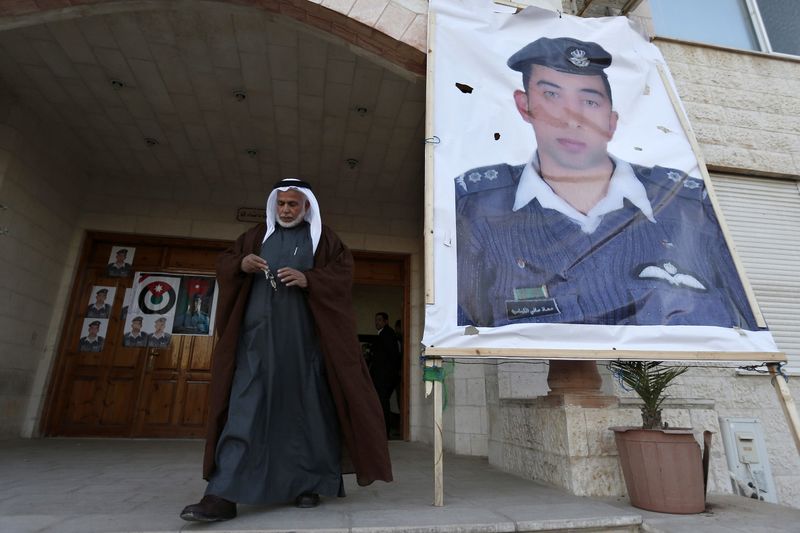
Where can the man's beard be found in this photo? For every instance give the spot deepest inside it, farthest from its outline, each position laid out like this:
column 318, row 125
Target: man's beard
column 296, row 222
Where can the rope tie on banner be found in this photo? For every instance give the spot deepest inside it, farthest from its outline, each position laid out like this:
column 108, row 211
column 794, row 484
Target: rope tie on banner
column 759, row 369
column 779, row 372
column 439, row 373
column 433, row 140
column 618, row 376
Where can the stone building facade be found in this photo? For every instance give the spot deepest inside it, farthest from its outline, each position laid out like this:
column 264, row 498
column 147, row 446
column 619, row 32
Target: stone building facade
column 741, row 105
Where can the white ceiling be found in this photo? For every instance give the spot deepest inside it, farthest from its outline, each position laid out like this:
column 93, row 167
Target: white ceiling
column 180, row 70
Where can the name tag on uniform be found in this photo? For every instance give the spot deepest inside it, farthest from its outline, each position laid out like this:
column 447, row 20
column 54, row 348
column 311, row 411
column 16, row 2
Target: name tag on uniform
column 530, row 293
column 518, row 309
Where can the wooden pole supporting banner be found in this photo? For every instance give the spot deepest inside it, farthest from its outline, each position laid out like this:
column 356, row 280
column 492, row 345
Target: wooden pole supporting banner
column 438, row 445
column 435, row 386
column 787, row 403
column 701, row 163
column 429, row 177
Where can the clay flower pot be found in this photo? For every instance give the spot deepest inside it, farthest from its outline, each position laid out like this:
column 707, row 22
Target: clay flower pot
column 663, row 469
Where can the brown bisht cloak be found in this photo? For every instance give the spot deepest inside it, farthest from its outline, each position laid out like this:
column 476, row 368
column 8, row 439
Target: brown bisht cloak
column 363, row 433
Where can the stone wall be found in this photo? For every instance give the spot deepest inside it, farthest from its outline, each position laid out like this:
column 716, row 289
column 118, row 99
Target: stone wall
column 518, row 442
column 40, row 189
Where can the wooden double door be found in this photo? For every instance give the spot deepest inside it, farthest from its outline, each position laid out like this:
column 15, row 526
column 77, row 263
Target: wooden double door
column 131, row 391
column 157, row 392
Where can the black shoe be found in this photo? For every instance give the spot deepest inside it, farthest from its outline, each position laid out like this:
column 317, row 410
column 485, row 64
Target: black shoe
column 210, row 509
column 307, row 500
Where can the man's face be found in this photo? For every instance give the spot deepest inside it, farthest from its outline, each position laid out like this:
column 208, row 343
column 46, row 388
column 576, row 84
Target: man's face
column 571, row 117
column 120, row 257
column 379, row 322
column 136, row 326
column 159, row 325
column 100, row 298
column 93, row 330
column 198, row 304
column 291, row 208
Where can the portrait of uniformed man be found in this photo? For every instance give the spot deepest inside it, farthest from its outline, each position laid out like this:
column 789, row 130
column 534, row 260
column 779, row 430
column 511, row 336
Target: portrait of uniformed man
column 135, row 337
column 99, row 308
column 93, row 341
column 577, row 235
column 119, row 266
column 159, row 338
column 196, row 319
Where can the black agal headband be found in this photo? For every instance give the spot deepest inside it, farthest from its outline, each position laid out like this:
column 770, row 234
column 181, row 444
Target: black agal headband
column 291, row 182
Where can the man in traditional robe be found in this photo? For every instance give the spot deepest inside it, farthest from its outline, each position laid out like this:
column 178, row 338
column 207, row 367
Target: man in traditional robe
column 292, row 407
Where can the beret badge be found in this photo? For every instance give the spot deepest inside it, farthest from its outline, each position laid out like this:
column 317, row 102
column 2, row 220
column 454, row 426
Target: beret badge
column 578, row 58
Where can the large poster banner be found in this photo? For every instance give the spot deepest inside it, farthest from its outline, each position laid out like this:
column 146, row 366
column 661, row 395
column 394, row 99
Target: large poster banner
column 152, row 312
column 163, row 305
column 567, row 199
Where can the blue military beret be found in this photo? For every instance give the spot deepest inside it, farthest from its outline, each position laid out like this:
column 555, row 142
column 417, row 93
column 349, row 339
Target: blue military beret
column 94, row 323
column 563, row 54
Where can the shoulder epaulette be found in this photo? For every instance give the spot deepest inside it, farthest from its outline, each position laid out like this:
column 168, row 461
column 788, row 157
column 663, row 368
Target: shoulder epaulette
column 487, row 178
column 672, row 181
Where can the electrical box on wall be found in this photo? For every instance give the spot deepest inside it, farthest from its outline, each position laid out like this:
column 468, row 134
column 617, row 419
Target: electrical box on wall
column 748, row 464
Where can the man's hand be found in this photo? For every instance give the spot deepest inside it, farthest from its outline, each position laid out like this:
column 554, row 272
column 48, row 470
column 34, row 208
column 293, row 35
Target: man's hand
column 291, row 277
column 252, row 264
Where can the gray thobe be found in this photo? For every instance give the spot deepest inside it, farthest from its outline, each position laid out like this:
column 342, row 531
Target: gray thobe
column 281, row 437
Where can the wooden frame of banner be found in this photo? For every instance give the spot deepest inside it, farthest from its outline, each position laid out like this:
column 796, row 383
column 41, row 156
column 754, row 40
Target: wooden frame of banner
column 429, row 146
column 434, row 355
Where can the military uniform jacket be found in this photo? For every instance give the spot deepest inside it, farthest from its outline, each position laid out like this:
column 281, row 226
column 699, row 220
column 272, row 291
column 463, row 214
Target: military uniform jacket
column 93, row 312
column 197, row 322
column 158, row 342
column 119, row 271
column 138, row 341
column 88, row 345
column 537, row 265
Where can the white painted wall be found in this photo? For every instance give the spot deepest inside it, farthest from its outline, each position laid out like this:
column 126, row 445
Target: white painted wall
column 41, row 183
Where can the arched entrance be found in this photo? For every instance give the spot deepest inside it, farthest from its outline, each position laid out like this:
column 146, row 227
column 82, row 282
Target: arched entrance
column 170, row 117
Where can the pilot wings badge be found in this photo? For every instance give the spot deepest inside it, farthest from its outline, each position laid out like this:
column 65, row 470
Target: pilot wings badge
column 669, row 273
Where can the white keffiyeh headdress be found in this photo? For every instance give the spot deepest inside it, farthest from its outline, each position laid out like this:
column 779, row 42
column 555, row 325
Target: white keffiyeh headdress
column 312, row 215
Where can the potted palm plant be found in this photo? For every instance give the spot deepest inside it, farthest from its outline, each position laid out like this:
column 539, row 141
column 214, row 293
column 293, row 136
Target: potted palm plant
column 662, row 466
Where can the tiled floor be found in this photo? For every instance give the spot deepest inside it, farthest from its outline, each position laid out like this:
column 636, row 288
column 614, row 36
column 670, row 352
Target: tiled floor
column 86, row 485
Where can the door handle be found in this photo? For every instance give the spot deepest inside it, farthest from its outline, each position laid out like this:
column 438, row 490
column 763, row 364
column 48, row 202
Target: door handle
column 151, row 359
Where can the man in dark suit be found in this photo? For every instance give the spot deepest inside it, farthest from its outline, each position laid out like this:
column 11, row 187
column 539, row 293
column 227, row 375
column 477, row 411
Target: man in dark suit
column 577, row 235
column 385, row 365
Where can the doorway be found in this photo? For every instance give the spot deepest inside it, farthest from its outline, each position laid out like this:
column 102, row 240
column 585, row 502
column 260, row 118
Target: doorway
column 381, row 284
column 120, row 388
column 140, row 391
